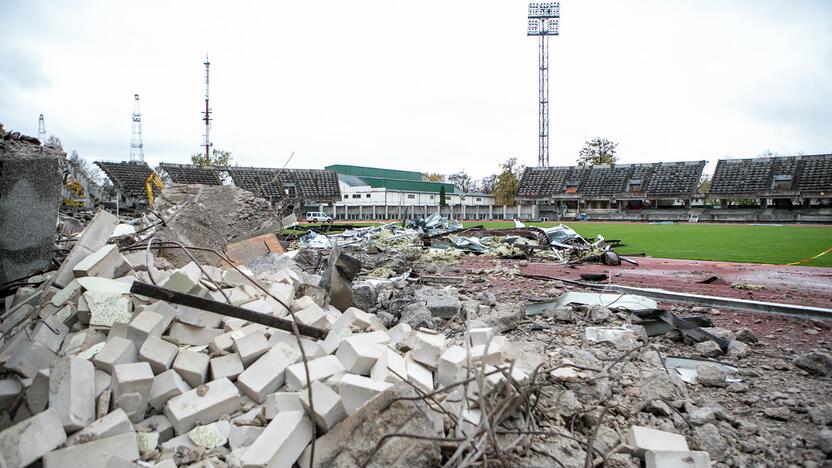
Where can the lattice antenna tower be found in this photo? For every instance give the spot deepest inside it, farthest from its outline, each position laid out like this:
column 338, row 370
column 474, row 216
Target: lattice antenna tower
column 136, row 145
column 206, row 114
column 41, row 130
column 544, row 21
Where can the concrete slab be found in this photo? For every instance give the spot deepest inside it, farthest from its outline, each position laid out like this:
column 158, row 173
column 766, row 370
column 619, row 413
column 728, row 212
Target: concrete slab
column 28, row 440
column 202, row 405
column 70, row 392
column 95, row 454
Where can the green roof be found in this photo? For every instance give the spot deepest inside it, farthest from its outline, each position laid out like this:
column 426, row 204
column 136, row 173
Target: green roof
column 392, row 179
column 362, row 171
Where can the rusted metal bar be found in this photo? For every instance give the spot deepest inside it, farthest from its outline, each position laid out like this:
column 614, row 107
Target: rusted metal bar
column 156, row 292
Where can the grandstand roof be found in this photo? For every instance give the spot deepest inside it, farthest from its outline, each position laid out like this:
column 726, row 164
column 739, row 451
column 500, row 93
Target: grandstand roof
column 190, row 174
column 128, row 177
column 785, row 176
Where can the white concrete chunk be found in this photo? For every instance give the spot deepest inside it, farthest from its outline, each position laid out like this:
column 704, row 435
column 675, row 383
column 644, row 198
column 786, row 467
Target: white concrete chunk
column 451, row 365
column 192, row 366
column 112, row 424
column 225, row 341
column 313, row 316
column 334, row 338
column 158, row 353
column 329, row 410
column 229, row 366
column 251, row 346
column 94, row 454
column 358, row 356
column 204, row 405
column 400, row 333
column 281, row 443
column 313, row 349
column 106, row 262
column 184, row 279
column 10, row 388
column 159, row 424
column 198, row 317
column 191, row 335
column 71, row 392
column 243, row 436
column 165, row 386
column 131, row 388
column 356, row 390
column 265, row 376
column 319, row 369
column 388, row 365
column 676, row 459
column 427, row 347
column 480, row 336
column 259, row 305
column 116, row 351
column 28, row 440
column 418, row 374
column 211, row 435
column 282, row 401
column 51, row 333
column 642, row 439
column 145, row 324
column 108, row 308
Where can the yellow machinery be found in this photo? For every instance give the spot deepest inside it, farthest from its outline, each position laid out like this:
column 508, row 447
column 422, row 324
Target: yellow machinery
column 153, row 179
column 76, row 191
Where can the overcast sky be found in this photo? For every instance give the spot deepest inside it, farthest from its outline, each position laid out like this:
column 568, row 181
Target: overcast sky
column 427, row 86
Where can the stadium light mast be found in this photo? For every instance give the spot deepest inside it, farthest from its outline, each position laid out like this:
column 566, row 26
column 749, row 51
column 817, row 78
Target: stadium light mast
column 544, row 21
column 136, row 145
column 206, row 138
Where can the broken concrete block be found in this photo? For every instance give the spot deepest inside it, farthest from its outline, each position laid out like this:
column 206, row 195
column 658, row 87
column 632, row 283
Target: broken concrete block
column 480, row 336
column 106, row 262
column 251, row 346
column 30, row 439
column 211, row 435
column 225, row 341
column 451, row 366
column 159, row 424
column 641, row 439
column 94, row 454
column 184, row 279
column 190, row 335
column 115, row 351
column 440, row 303
column 356, row 390
column 334, row 339
column 319, row 369
column 313, row 316
column 29, row 357
column 427, row 347
column 623, row 339
column 70, row 392
column 266, row 375
column 329, row 409
column 145, row 324
column 112, row 424
column 389, row 364
column 81, row 341
column 37, row 395
column 118, row 329
column 259, row 305
column 198, row 317
column 243, row 436
column 204, row 404
column 50, row 332
column 147, row 441
column 131, row 385
column 229, row 366
column 284, row 293
column 358, row 356
column 158, row 353
column 282, row 401
column 313, row 349
column 281, row 443
column 492, row 355
column 399, row 333
column 10, row 388
column 192, row 366
column 418, row 375
column 108, row 308
column 676, row 459
column 165, row 386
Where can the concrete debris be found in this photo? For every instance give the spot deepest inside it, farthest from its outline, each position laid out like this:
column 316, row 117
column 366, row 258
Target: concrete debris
column 415, row 347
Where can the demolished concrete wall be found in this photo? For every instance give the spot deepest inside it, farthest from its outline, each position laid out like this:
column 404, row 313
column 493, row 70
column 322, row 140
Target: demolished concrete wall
column 30, row 196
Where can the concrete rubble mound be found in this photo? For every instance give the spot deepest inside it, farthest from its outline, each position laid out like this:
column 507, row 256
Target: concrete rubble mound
column 155, row 347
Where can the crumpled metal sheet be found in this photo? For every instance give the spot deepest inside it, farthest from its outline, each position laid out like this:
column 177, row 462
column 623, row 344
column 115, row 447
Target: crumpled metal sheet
column 628, row 302
column 686, row 368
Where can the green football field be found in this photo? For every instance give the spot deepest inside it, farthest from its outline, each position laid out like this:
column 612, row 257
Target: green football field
column 721, row 242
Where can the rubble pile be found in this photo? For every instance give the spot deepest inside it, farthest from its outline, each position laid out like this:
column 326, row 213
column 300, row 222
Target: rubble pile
column 150, row 346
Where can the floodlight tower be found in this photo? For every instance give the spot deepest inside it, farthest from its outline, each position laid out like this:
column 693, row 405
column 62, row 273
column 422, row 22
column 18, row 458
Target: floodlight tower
column 41, row 130
column 206, row 139
column 136, row 145
column 544, row 21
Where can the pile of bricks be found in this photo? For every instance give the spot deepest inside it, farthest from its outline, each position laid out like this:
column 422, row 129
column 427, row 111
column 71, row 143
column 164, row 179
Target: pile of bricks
column 98, row 376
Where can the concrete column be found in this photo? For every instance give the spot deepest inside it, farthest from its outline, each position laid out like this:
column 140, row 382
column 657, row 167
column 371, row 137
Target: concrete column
column 518, row 210
column 505, row 209
column 426, row 211
column 334, row 212
column 490, row 211
column 374, row 211
column 463, row 211
column 360, row 211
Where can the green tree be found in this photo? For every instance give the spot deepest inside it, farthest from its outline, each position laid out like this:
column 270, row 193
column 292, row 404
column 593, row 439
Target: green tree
column 508, row 182
column 598, row 151
column 704, row 184
column 218, row 158
column 442, row 196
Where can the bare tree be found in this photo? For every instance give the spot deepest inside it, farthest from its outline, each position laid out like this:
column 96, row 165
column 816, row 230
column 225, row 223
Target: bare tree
column 462, row 181
column 598, row 151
